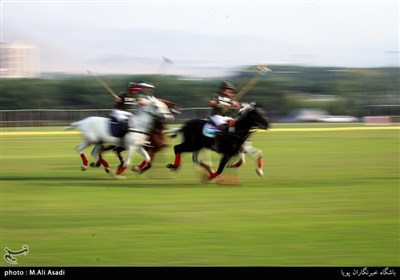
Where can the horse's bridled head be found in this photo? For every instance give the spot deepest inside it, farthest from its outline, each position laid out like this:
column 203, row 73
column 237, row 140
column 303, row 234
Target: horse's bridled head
column 162, row 111
column 260, row 117
column 247, row 108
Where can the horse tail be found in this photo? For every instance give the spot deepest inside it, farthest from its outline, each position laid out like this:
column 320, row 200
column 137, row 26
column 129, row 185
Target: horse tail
column 72, row 126
column 173, row 132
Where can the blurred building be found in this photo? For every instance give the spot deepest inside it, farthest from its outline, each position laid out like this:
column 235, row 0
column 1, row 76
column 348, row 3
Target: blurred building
column 19, row 60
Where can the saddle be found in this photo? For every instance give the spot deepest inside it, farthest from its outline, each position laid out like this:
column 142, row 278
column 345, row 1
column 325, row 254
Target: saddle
column 118, row 129
column 210, row 130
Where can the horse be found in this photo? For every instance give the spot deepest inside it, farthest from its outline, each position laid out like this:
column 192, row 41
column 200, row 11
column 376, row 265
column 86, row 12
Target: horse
column 156, row 142
column 250, row 116
column 96, row 130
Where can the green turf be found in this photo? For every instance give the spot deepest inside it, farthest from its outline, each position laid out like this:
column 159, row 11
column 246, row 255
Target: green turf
column 328, row 198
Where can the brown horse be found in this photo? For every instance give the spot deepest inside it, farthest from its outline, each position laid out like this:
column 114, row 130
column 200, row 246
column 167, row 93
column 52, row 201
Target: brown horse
column 157, row 141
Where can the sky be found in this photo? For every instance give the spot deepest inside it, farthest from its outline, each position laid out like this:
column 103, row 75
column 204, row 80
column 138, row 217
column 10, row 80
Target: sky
column 203, row 37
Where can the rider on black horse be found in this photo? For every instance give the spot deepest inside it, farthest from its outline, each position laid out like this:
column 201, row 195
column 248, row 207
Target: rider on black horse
column 224, row 109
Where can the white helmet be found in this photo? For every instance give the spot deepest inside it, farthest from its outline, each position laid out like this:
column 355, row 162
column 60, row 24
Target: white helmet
column 143, row 84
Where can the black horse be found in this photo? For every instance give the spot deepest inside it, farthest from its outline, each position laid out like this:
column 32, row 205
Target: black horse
column 250, row 117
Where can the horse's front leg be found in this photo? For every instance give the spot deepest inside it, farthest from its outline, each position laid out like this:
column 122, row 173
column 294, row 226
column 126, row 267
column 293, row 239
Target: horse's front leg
column 129, row 151
column 146, row 163
column 134, row 141
column 224, row 160
column 237, row 164
column 79, row 149
column 96, row 153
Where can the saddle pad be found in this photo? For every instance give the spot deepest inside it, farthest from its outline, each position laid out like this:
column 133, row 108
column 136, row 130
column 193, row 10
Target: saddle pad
column 210, row 131
column 117, row 129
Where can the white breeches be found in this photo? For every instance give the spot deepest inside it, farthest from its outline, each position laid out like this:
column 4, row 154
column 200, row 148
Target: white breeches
column 219, row 120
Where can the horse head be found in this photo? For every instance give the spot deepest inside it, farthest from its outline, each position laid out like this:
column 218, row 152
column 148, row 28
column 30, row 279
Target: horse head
column 159, row 110
column 254, row 115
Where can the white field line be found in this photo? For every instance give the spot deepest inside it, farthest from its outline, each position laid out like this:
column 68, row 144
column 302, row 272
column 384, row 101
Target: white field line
column 33, row 133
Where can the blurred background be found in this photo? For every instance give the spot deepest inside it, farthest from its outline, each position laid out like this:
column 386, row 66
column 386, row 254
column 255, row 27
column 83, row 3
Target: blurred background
column 330, row 62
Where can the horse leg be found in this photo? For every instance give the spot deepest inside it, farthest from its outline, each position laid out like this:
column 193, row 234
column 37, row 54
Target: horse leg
column 239, row 162
column 207, row 167
column 118, row 151
column 157, row 143
column 224, row 160
column 96, row 153
column 121, row 169
column 79, row 149
column 105, row 164
column 146, row 163
column 178, row 149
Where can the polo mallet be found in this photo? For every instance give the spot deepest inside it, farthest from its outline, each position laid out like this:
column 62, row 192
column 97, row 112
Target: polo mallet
column 104, row 84
column 262, row 71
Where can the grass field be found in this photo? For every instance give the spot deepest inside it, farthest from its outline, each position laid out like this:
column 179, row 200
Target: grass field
column 328, row 198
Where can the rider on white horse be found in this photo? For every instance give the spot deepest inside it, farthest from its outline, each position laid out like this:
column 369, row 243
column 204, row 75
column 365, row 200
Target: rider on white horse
column 138, row 93
column 146, row 93
column 124, row 105
column 95, row 130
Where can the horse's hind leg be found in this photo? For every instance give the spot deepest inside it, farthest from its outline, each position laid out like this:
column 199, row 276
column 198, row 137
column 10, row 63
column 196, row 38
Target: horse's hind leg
column 222, row 163
column 96, row 153
column 238, row 163
column 79, row 149
column 178, row 149
column 119, row 151
column 206, row 166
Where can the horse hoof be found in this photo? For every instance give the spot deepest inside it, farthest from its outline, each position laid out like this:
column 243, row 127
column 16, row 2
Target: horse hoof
column 204, row 177
column 95, row 164
column 135, row 168
column 260, row 172
column 172, row 167
column 110, row 172
column 212, row 176
column 84, row 167
column 107, row 170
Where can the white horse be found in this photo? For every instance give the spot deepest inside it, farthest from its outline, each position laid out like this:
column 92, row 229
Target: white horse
column 96, row 130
